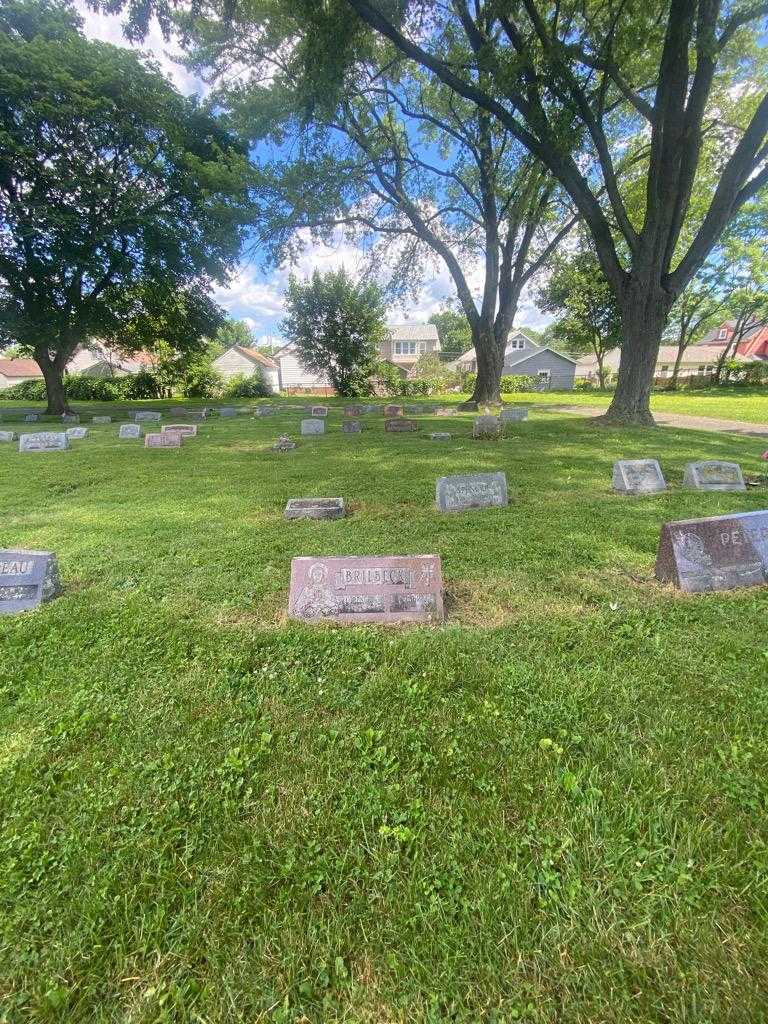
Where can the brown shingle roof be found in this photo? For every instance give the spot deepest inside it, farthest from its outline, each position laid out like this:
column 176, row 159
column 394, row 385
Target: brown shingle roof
column 257, row 357
column 20, row 368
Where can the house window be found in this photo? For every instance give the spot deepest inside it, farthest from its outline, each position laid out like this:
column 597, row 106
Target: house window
column 664, row 370
column 723, row 334
column 518, row 341
column 701, row 369
column 410, row 348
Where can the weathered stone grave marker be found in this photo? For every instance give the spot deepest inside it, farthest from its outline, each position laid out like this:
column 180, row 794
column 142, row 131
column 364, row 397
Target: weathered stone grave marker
column 471, row 490
column 319, row 411
column 185, row 429
column 147, row 416
column 718, row 553
column 101, row 419
column 440, row 435
column 386, row 589
column 353, row 410
column 351, row 426
column 70, row 417
column 130, row 432
column 31, row 417
column 7, row 435
column 172, row 440
column 77, row 433
column 44, row 441
column 315, row 508
column 713, row 475
column 313, row 426
column 487, row 427
column 638, row 476
column 400, row 426
column 391, row 411
column 27, row 578
column 227, row 412
column 514, row 415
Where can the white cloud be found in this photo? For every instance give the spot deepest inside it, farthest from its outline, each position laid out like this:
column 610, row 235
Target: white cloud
column 108, row 28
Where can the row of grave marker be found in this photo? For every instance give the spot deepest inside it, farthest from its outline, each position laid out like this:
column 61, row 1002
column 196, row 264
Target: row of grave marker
column 696, row 555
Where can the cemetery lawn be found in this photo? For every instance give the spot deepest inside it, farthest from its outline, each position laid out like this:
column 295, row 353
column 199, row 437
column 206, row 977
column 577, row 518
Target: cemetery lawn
column 749, row 404
column 552, row 809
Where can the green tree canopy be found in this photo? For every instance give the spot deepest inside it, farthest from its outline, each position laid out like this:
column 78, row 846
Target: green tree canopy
column 118, row 196
column 337, row 326
column 454, row 332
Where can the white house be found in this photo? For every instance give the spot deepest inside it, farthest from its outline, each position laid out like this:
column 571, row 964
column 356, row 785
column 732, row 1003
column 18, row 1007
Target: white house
column 241, row 360
column 523, row 357
column 16, row 371
column 294, row 378
column 99, row 361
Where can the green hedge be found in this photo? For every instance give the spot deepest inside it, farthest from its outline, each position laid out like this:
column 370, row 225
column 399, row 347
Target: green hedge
column 509, row 383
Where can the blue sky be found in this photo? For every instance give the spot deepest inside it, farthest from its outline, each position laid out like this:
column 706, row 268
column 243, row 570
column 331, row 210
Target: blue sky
column 257, row 296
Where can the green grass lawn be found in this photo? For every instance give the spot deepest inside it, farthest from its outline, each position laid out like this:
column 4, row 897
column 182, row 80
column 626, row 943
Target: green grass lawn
column 731, row 403
column 551, row 809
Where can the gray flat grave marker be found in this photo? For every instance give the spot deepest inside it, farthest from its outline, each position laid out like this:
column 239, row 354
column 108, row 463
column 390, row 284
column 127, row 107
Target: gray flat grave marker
column 265, row 410
column 101, row 419
column 351, row 426
column 445, row 410
column 172, row 440
column 638, row 476
column 130, row 432
column 487, row 427
column 440, row 435
column 315, row 508
column 185, row 429
column 393, row 410
column 713, row 475
column 44, row 441
column 147, row 417
column 70, row 417
column 77, row 433
column 27, row 578
column 313, row 426
column 718, row 553
column 514, row 415
column 471, row 490
column 386, row 589
column 400, row 426
column 227, row 412
column 31, row 417
column 7, row 435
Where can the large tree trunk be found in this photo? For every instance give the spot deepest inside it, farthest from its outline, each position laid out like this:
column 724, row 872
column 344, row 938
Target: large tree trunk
column 490, row 363
column 53, row 374
column 644, row 314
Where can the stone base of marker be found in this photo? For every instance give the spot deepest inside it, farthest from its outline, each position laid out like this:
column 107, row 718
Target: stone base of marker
column 440, row 435
column 315, row 508
column 390, row 589
column 718, row 553
column 44, row 441
column 471, row 490
column 400, row 426
column 77, row 433
column 283, row 444
column 172, row 440
column 713, row 475
column 27, row 578
column 487, row 428
column 638, row 476
column 7, row 435
column 130, row 432
column 313, row 426
column 351, row 426
column 185, row 429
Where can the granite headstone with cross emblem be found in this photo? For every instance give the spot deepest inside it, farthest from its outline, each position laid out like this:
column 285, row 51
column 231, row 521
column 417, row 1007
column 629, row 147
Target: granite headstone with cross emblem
column 27, row 578
column 351, row 591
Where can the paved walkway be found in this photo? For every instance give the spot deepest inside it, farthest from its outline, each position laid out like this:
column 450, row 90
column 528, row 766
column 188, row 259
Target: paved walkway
column 673, row 419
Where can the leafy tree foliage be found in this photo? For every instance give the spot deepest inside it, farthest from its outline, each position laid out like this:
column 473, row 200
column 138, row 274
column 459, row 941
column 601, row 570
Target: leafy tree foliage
column 337, row 326
column 589, row 321
column 454, row 332
column 120, row 200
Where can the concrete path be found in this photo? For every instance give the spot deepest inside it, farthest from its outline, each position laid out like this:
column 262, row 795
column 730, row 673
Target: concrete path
column 673, row 419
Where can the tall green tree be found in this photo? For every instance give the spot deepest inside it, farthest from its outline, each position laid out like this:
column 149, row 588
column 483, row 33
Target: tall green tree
column 337, row 326
column 234, row 332
column 120, row 200
column 589, row 320
column 454, row 332
column 699, row 308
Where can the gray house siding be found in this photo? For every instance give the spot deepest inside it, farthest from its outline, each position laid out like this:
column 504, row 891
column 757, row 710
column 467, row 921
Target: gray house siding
column 562, row 370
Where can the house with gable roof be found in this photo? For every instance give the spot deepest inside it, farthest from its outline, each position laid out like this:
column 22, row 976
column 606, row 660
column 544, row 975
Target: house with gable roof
column 246, row 361
column 523, row 357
